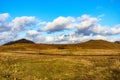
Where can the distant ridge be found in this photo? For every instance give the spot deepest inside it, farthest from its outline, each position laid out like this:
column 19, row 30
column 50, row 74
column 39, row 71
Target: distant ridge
column 24, row 44
column 118, row 42
column 19, row 41
column 99, row 44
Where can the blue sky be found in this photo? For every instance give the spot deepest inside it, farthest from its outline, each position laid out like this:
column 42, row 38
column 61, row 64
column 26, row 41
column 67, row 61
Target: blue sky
column 48, row 10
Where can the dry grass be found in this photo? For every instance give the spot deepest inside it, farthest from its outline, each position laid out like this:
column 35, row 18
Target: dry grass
column 20, row 66
column 92, row 60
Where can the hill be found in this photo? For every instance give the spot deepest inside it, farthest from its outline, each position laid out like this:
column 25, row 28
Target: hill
column 19, row 41
column 24, row 44
column 99, row 44
column 118, row 42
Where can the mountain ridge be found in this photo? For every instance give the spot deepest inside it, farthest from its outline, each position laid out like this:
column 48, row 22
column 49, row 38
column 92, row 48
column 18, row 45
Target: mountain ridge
column 24, row 44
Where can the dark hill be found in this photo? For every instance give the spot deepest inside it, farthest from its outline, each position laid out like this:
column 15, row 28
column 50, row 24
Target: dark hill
column 118, row 42
column 19, row 41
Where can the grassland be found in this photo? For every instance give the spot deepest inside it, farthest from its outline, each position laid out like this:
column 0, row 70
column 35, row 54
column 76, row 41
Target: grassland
column 59, row 65
column 92, row 60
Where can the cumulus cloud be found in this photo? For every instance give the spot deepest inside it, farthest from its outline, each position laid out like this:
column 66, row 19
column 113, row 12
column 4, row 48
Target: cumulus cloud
column 3, row 23
column 3, row 16
column 4, row 26
column 85, row 28
column 63, row 39
column 90, row 25
column 115, row 29
column 9, row 29
column 59, row 24
column 32, row 32
column 71, row 29
column 100, row 37
column 85, row 25
column 19, row 23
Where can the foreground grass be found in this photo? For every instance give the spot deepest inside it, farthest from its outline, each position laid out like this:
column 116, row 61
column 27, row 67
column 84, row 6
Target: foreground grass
column 15, row 66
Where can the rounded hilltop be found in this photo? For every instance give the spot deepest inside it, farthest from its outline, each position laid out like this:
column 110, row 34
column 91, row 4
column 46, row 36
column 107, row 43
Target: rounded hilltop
column 20, row 41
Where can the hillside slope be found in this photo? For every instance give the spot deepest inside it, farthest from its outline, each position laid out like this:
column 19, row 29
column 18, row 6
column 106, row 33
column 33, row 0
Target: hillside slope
column 99, row 44
column 19, row 41
column 92, row 44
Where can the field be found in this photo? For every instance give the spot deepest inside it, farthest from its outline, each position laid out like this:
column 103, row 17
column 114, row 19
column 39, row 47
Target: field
column 60, row 64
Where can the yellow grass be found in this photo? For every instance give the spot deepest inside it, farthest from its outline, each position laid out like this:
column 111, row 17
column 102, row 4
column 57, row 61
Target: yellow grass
column 22, row 66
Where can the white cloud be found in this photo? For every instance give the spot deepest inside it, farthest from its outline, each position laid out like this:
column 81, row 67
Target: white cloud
column 32, row 32
column 115, row 29
column 98, row 29
column 100, row 37
column 85, row 25
column 4, row 25
column 10, row 28
column 59, row 24
column 49, row 39
column 90, row 25
column 19, row 23
column 81, row 29
column 86, row 28
column 3, row 16
column 86, row 21
column 62, row 39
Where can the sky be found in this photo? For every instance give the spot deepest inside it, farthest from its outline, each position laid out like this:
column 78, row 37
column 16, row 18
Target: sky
column 59, row 21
